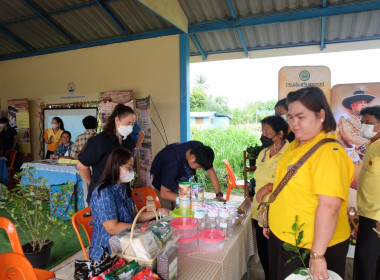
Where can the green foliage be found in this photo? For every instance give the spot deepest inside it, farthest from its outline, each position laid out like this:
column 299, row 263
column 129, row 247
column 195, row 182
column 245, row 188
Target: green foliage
column 198, row 100
column 249, row 114
column 27, row 208
column 254, row 151
column 228, row 144
column 297, row 232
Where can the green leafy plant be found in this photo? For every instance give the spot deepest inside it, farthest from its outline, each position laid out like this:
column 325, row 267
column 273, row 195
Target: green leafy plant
column 254, row 151
column 298, row 249
column 29, row 208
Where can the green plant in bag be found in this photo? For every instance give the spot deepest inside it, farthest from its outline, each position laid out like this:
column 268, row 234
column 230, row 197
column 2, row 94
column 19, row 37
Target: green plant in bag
column 297, row 232
column 29, row 208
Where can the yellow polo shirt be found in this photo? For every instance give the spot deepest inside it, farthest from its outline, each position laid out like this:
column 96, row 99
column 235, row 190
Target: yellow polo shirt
column 265, row 173
column 329, row 171
column 55, row 140
column 368, row 195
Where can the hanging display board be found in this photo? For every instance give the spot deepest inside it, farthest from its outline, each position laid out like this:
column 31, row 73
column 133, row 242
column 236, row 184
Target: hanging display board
column 292, row 78
column 111, row 99
column 347, row 100
column 18, row 115
column 143, row 116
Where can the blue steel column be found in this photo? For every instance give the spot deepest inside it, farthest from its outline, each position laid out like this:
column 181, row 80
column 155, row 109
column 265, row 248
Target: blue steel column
column 184, row 77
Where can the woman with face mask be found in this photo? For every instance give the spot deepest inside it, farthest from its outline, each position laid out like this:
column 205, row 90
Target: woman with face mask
column 116, row 133
column 52, row 135
column 273, row 139
column 111, row 203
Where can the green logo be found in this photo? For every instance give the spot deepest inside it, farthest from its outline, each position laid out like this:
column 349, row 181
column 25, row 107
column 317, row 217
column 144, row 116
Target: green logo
column 305, row 75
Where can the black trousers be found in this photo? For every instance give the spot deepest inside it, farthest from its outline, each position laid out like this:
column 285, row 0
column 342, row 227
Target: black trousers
column 367, row 251
column 335, row 258
column 48, row 153
column 262, row 247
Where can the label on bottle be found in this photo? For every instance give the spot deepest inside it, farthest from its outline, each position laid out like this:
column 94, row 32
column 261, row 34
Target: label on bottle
column 203, row 224
column 223, row 225
column 173, row 268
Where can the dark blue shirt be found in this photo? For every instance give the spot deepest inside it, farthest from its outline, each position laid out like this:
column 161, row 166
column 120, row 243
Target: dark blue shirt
column 170, row 166
column 96, row 153
column 112, row 203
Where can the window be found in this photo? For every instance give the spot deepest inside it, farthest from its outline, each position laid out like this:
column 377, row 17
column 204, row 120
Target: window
column 211, row 120
column 199, row 120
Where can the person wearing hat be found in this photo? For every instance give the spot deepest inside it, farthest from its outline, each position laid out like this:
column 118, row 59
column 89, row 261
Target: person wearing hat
column 178, row 162
column 349, row 126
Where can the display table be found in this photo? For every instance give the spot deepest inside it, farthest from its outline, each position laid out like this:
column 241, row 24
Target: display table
column 58, row 175
column 230, row 263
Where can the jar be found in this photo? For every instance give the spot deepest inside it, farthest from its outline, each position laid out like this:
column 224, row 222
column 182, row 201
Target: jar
column 223, row 220
column 212, row 219
column 200, row 216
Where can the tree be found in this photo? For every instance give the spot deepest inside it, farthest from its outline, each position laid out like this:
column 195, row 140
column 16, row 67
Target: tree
column 198, row 100
column 201, row 83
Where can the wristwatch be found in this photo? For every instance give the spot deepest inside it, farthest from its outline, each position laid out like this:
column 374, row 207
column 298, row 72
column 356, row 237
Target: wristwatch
column 314, row 255
column 219, row 194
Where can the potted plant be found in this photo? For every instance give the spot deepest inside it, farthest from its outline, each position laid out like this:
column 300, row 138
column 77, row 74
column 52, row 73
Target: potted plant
column 252, row 154
column 29, row 208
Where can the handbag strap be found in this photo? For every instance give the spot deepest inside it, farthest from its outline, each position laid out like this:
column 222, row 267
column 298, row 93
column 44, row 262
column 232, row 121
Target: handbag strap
column 293, row 170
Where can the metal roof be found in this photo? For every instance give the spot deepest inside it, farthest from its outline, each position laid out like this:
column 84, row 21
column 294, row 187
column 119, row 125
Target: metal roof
column 33, row 27
column 209, row 114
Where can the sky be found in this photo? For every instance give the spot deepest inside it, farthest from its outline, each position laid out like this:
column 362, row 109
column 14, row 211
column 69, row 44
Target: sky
column 248, row 80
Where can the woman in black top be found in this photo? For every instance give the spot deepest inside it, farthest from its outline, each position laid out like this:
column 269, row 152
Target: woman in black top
column 116, row 134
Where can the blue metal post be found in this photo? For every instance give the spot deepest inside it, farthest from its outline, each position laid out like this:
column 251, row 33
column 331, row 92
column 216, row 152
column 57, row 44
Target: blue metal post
column 323, row 27
column 199, row 47
column 184, row 76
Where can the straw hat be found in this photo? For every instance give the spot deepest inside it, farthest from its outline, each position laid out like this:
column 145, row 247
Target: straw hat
column 358, row 95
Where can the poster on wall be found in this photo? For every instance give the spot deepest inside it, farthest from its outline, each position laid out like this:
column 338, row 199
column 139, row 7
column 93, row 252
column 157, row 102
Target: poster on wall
column 111, row 99
column 347, row 100
column 143, row 118
column 18, row 115
column 292, row 78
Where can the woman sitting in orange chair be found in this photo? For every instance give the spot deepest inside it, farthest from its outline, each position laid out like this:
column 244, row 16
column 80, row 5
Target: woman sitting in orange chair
column 112, row 206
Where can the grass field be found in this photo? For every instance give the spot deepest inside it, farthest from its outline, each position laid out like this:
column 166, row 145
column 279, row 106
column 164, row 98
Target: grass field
column 228, row 143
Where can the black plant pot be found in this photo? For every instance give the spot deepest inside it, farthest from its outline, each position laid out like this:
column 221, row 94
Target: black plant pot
column 38, row 259
column 252, row 162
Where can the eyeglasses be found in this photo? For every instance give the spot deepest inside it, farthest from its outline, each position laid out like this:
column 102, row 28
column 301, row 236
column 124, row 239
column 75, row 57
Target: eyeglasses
column 129, row 168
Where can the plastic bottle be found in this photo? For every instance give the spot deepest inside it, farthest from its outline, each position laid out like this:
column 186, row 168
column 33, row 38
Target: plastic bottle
column 223, row 220
column 150, row 203
column 212, row 219
column 200, row 216
column 233, row 215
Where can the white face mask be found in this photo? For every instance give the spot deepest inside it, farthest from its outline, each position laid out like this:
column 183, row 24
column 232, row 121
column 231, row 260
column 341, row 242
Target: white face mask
column 2, row 125
column 126, row 176
column 53, row 125
column 367, row 130
column 125, row 130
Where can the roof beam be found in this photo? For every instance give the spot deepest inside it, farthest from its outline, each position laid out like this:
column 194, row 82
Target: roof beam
column 15, row 38
column 350, row 40
column 133, row 37
column 343, row 9
column 323, row 28
column 199, row 47
column 169, row 10
column 233, row 14
column 112, row 17
column 38, row 11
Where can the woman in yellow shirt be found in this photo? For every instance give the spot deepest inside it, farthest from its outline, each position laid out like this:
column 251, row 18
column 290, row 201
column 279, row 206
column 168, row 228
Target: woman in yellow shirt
column 273, row 138
column 317, row 193
column 52, row 135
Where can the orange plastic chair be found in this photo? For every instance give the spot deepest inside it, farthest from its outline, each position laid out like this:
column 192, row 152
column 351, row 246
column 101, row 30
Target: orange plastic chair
column 83, row 218
column 12, row 156
column 232, row 182
column 17, row 248
column 140, row 194
column 16, row 266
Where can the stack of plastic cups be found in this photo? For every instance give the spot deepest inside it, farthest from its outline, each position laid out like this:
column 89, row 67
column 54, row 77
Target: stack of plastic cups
column 184, row 190
column 223, row 220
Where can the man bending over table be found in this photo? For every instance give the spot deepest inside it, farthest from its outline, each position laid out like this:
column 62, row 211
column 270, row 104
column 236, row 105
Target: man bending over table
column 178, row 162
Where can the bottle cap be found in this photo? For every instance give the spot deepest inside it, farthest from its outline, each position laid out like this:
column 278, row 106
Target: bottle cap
column 199, row 214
